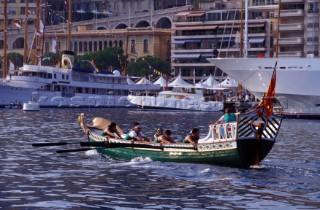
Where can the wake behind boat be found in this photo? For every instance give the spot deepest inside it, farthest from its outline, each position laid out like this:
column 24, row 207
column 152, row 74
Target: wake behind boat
column 68, row 86
column 297, row 84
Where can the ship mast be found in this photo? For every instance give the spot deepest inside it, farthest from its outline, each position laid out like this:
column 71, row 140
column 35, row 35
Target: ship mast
column 25, row 33
column 69, row 24
column 241, row 28
column 278, row 26
column 246, row 29
column 5, row 41
column 38, row 31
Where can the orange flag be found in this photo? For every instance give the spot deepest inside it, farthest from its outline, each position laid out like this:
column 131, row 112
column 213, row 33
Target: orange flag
column 267, row 99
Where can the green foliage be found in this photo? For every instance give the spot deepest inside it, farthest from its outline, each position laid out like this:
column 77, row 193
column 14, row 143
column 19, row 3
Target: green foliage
column 50, row 58
column 145, row 66
column 16, row 58
column 105, row 59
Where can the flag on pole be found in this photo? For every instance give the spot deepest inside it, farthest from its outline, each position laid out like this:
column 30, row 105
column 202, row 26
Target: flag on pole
column 267, row 99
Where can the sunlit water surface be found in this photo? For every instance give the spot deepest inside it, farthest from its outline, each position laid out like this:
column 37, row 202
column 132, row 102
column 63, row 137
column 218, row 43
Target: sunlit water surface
column 39, row 178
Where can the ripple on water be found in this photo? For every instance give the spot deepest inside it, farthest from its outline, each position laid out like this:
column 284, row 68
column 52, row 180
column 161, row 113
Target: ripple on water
column 39, row 178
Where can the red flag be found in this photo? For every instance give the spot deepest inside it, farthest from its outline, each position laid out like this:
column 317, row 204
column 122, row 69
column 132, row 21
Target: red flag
column 267, row 99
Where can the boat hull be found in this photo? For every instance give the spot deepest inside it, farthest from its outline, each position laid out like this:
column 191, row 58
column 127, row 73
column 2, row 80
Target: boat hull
column 55, row 99
column 225, row 157
column 182, row 104
column 297, row 86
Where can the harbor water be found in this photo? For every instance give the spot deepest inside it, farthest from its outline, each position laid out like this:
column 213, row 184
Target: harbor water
column 39, row 178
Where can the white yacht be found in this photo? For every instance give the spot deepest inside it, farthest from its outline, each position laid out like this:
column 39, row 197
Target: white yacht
column 187, row 98
column 67, row 86
column 297, row 89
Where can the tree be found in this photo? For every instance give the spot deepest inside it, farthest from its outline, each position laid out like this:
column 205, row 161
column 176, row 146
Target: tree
column 149, row 65
column 16, row 58
column 106, row 59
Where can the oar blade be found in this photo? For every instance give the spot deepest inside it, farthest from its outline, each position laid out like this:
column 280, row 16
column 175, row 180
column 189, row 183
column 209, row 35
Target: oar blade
column 73, row 150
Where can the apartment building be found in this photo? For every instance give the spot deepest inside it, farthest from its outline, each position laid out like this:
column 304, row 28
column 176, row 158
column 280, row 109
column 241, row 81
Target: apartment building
column 214, row 31
column 16, row 10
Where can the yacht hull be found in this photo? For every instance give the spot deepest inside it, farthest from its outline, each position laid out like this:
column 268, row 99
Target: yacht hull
column 297, row 81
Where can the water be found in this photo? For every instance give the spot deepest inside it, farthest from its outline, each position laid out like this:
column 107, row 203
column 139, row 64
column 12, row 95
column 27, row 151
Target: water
column 39, row 178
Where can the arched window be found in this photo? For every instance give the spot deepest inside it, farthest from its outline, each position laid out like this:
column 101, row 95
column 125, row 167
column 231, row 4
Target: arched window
column 121, row 44
column 85, row 46
column 105, row 44
column 116, row 43
column 110, row 43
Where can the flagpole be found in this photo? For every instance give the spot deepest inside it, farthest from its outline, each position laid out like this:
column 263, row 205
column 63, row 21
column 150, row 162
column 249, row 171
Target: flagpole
column 69, row 24
column 26, row 33
column 5, row 41
column 37, row 31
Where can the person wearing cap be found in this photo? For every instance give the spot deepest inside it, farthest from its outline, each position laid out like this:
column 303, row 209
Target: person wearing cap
column 111, row 131
column 136, row 134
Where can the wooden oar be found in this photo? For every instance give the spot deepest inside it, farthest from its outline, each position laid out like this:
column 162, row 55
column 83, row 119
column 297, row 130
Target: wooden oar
column 73, row 150
column 53, row 144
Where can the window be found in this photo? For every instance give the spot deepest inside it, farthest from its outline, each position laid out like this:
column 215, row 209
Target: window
column 133, row 46
column 85, row 47
column 145, row 46
column 90, row 46
column 100, row 45
column 75, row 46
column 80, row 46
column 95, row 46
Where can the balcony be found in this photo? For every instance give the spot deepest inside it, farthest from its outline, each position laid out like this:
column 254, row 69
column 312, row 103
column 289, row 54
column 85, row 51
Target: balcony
column 291, row 27
column 291, row 54
column 290, row 13
column 291, row 41
column 289, row 1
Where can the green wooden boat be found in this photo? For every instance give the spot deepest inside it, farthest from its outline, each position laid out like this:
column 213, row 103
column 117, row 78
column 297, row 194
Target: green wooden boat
column 242, row 143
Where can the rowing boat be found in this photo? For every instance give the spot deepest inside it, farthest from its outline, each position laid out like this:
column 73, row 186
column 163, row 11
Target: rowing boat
column 242, row 143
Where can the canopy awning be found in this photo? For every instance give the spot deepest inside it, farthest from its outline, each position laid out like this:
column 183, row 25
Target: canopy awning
column 178, row 42
column 189, row 28
column 185, row 55
column 238, row 26
column 256, row 40
column 182, row 14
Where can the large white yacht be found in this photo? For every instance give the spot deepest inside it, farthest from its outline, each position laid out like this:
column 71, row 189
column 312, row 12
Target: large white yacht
column 297, row 89
column 67, row 87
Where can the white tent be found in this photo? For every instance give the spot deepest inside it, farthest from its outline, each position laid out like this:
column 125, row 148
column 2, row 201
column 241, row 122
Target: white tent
column 144, row 81
column 228, row 83
column 208, row 83
column 130, row 81
column 161, row 81
column 179, row 82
